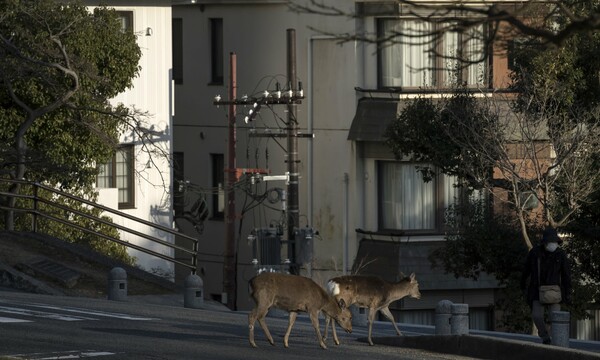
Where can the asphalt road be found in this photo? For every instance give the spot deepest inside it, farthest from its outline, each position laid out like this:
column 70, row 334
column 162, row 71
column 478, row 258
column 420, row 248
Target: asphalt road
column 52, row 327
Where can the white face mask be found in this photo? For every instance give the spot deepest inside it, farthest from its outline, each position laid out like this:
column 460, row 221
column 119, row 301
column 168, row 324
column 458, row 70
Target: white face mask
column 551, row 247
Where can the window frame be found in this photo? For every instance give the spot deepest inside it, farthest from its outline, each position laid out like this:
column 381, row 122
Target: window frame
column 177, row 56
column 178, row 183
column 439, row 78
column 218, row 183
column 130, row 176
column 126, row 17
column 217, row 58
column 439, row 201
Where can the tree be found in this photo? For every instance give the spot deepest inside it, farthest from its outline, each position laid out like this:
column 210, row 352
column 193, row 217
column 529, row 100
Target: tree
column 60, row 66
column 540, row 147
column 530, row 18
column 538, row 144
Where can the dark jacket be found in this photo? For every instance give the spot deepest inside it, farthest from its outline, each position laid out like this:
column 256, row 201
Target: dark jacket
column 554, row 270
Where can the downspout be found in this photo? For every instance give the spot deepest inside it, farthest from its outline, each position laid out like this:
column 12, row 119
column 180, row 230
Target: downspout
column 346, row 222
column 309, row 160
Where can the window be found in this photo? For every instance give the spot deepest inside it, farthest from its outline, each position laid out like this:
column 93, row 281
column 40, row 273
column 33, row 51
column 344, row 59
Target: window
column 178, row 50
column 408, row 203
column 119, row 173
column 126, row 18
column 178, row 184
column 218, row 183
column 216, row 51
column 416, row 58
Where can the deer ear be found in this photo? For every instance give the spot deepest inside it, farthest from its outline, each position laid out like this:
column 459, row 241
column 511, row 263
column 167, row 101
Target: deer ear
column 342, row 304
column 412, row 277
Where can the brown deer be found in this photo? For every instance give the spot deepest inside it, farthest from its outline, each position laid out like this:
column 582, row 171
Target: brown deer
column 293, row 293
column 371, row 292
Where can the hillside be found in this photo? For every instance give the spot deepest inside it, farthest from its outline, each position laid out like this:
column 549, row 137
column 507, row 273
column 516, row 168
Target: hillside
column 67, row 269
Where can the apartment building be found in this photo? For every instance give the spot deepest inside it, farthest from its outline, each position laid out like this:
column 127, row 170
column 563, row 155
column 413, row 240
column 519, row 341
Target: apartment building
column 357, row 204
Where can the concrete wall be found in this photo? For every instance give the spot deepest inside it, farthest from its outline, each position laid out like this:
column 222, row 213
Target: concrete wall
column 257, row 34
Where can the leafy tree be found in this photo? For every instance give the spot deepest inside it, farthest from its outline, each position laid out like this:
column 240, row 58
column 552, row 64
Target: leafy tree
column 60, row 66
column 543, row 141
column 528, row 18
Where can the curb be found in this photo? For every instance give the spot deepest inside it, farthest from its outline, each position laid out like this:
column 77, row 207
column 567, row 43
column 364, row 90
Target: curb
column 486, row 347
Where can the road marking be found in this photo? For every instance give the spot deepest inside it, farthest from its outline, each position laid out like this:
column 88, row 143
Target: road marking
column 93, row 312
column 41, row 314
column 28, row 312
column 75, row 354
column 12, row 320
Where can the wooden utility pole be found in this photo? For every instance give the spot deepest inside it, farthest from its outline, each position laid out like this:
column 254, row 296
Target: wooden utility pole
column 292, row 153
column 229, row 261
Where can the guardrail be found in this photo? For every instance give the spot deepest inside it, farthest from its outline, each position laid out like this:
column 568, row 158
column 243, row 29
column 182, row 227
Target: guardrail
column 36, row 212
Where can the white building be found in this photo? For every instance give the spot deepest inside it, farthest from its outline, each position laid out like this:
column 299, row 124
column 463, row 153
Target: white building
column 135, row 182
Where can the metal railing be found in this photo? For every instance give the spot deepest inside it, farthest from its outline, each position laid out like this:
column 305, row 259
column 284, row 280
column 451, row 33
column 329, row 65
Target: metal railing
column 36, row 212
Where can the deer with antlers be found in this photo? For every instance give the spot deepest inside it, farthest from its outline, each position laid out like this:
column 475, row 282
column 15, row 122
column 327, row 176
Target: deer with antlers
column 371, row 292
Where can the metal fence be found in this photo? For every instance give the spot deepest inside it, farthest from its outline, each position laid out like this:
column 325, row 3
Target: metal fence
column 31, row 201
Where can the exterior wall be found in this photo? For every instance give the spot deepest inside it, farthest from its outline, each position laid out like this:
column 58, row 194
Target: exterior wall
column 338, row 183
column 201, row 128
column 151, row 93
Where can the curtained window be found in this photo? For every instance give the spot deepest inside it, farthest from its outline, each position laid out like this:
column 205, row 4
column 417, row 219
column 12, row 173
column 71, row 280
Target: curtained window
column 412, row 56
column 408, row 203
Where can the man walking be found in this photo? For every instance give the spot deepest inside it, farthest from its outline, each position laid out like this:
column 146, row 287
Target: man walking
column 546, row 264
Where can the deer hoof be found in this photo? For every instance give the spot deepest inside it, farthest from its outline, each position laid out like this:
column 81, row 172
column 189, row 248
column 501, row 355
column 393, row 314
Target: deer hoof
column 337, row 342
column 253, row 344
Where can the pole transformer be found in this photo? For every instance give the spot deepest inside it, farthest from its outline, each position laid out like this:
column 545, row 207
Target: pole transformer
column 292, row 154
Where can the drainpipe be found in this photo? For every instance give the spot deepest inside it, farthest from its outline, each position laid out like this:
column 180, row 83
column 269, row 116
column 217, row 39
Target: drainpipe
column 345, row 225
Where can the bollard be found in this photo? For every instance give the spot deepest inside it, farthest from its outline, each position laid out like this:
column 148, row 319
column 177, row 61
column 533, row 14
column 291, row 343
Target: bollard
column 117, row 284
column 459, row 323
column 443, row 314
column 194, row 292
column 359, row 316
column 560, row 328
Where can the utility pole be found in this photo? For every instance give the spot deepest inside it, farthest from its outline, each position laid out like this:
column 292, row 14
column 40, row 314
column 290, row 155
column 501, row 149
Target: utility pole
column 290, row 97
column 292, row 154
column 229, row 261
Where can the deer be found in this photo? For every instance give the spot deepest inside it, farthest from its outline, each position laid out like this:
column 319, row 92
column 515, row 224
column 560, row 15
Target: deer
column 371, row 292
column 293, row 293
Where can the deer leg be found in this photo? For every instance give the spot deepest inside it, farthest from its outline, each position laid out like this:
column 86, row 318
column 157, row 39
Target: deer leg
column 251, row 321
column 388, row 314
column 329, row 319
column 259, row 313
column 370, row 319
column 291, row 322
column 334, row 333
column 314, row 319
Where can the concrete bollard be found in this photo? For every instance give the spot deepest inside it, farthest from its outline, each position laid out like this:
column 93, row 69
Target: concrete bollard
column 117, row 284
column 359, row 316
column 443, row 314
column 459, row 323
column 194, row 292
column 561, row 321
